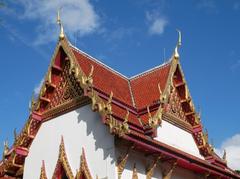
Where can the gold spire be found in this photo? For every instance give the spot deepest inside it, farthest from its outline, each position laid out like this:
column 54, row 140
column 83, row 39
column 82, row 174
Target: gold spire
column 179, row 43
column 5, row 149
column 224, row 155
column 59, row 22
column 15, row 134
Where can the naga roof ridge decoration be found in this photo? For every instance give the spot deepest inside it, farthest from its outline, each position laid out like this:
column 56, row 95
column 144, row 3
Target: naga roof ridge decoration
column 146, row 72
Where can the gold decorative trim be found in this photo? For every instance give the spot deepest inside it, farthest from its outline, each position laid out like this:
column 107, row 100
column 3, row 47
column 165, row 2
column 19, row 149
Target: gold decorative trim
column 43, row 174
column 122, row 162
column 59, row 22
column 224, row 157
column 151, row 168
column 177, row 122
column 5, row 149
column 206, row 175
column 117, row 127
column 63, row 161
column 83, row 170
column 156, row 120
column 134, row 174
column 168, row 174
column 179, row 43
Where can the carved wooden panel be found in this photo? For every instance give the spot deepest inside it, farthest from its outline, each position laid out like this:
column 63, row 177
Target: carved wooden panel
column 174, row 105
column 66, row 90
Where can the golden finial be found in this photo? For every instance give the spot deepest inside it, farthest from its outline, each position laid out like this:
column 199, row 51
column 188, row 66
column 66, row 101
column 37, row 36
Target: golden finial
column 32, row 103
column 161, row 96
column 5, row 149
column 126, row 117
column 205, row 135
column 149, row 113
column 59, row 22
column 224, row 155
column 179, row 43
column 15, row 134
column 159, row 89
column 110, row 98
column 179, row 38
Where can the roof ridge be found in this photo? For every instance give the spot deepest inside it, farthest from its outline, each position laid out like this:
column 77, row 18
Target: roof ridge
column 131, row 93
column 150, row 70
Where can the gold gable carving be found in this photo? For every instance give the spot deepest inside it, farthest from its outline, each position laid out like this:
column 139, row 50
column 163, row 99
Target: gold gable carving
column 134, row 174
column 84, row 170
column 63, row 162
column 63, row 166
column 174, row 106
column 122, row 160
column 66, row 90
column 167, row 174
column 43, row 171
column 151, row 168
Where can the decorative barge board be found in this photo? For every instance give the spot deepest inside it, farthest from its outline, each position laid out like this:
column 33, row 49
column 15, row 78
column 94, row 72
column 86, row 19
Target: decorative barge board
column 90, row 121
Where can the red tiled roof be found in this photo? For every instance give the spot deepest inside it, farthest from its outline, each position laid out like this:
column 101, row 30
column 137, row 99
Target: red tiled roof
column 111, row 81
column 137, row 92
column 145, row 87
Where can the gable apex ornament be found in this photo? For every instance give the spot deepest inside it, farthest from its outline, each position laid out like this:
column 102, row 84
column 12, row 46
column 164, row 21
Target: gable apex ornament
column 179, row 43
column 59, row 22
column 224, row 155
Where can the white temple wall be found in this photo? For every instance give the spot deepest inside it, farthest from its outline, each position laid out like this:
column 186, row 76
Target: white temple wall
column 178, row 138
column 79, row 128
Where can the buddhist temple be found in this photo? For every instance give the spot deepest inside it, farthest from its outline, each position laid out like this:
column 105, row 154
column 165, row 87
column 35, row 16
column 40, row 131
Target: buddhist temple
column 91, row 122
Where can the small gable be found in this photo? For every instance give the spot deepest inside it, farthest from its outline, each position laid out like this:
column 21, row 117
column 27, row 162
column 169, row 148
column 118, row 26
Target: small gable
column 84, row 172
column 61, row 89
column 62, row 169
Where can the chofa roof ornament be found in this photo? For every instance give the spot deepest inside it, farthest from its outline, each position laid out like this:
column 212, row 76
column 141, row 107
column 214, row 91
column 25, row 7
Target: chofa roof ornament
column 59, row 22
column 179, row 43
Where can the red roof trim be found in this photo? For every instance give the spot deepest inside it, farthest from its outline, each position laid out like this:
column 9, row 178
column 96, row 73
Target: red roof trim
column 175, row 153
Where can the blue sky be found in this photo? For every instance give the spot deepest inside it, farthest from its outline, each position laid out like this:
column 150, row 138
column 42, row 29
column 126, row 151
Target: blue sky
column 129, row 36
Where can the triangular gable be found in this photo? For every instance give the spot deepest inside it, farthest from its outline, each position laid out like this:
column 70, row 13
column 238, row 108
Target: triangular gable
column 66, row 86
column 178, row 102
column 84, row 172
column 62, row 92
column 43, row 171
column 63, row 64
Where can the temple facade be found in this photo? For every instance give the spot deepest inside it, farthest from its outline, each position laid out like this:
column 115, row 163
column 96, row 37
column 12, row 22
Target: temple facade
column 90, row 121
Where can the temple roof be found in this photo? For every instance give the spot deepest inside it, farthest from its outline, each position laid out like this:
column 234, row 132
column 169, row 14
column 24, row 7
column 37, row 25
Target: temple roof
column 132, row 108
column 137, row 91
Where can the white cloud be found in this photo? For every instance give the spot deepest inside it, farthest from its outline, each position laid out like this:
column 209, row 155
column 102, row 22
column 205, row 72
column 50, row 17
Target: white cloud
column 38, row 88
column 157, row 23
column 209, row 6
column 236, row 6
column 235, row 66
column 78, row 17
column 232, row 147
